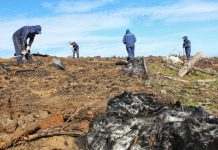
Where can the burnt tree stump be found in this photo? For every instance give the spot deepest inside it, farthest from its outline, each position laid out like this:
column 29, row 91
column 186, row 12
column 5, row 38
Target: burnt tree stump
column 137, row 67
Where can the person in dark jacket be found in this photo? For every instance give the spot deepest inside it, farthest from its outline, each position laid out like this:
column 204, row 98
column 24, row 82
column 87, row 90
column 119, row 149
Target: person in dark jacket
column 20, row 38
column 187, row 47
column 75, row 48
column 129, row 39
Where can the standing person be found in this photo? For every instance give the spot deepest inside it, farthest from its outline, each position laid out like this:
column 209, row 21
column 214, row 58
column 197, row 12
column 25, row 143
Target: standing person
column 187, row 47
column 75, row 48
column 20, row 38
column 129, row 39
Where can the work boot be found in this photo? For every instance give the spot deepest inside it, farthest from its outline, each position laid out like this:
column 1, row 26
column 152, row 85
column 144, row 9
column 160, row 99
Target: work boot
column 19, row 62
column 30, row 59
column 131, row 59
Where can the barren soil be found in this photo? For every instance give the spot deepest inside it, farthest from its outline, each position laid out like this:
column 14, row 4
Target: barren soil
column 34, row 92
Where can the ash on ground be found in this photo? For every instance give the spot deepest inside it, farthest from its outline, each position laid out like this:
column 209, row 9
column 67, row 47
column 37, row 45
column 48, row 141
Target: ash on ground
column 138, row 122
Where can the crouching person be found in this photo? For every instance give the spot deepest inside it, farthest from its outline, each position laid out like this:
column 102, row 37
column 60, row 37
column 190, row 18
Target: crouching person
column 20, row 38
column 75, row 49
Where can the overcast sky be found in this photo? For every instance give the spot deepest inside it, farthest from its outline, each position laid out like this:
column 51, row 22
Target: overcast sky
column 98, row 26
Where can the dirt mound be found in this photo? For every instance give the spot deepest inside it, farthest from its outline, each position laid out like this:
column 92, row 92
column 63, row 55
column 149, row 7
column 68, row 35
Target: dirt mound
column 137, row 121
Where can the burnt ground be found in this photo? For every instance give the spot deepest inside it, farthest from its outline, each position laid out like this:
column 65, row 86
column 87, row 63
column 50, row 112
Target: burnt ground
column 33, row 92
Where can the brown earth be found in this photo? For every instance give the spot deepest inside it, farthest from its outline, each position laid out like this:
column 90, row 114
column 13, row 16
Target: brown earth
column 70, row 99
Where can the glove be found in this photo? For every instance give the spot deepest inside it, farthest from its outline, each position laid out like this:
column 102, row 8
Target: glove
column 24, row 52
column 28, row 48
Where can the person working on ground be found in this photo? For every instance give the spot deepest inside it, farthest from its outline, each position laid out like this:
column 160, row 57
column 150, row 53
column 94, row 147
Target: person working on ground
column 20, row 37
column 75, row 48
column 187, row 47
column 129, row 39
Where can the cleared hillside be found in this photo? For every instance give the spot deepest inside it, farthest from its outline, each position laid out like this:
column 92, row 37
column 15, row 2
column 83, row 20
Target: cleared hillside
column 70, row 98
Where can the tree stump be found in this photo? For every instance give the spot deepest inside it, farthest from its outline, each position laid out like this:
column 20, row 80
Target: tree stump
column 138, row 67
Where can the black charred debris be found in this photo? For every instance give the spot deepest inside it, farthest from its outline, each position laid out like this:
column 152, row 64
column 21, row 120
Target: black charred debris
column 136, row 66
column 41, row 55
column 139, row 122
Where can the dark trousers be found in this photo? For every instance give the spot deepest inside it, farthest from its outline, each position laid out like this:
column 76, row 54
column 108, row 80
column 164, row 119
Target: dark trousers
column 131, row 52
column 75, row 52
column 18, row 48
column 188, row 53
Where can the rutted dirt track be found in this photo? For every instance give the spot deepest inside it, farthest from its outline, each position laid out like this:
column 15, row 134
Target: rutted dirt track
column 35, row 92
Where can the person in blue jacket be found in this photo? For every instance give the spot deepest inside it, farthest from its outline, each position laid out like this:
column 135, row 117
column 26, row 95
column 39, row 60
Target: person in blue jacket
column 129, row 39
column 187, row 47
column 75, row 48
column 21, row 44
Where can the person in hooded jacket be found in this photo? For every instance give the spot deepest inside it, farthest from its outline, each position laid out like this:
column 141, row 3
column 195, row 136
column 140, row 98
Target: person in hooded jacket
column 75, row 48
column 187, row 47
column 21, row 43
column 129, row 40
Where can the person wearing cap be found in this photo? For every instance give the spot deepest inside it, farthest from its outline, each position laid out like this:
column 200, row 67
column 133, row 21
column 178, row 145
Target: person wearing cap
column 187, row 47
column 75, row 48
column 21, row 44
column 129, row 40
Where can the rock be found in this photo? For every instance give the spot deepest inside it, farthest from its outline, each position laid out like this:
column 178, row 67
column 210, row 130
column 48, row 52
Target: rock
column 163, row 92
column 24, row 121
column 115, row 88
column 147, row 83
column 7, row 125
column 172, row 59
column 58, row 63
column 54, row 120
column 43, row 114
column 3, row 137
column 138, row 121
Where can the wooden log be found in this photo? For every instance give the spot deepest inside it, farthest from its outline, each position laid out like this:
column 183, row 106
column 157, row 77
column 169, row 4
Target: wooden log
column 17, row 136
column 13, row 138
column 52, row 133
column 207, row 70
column 205, row 81
column 176, row 79
column 146, row 76
column 185, row 69
column 170, row 66
column 121, row 63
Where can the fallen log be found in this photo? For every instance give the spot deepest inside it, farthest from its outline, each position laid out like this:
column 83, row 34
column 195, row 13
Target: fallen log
column 207, row 70
column 176, row 79
column 23, row 71
column 16, row 136
column 32, row 128
column 50, row 134
column 76, row 113
column 170, row 66
column 209, row 90
column 121, row 63
column 205, row 81
column 189, row 65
